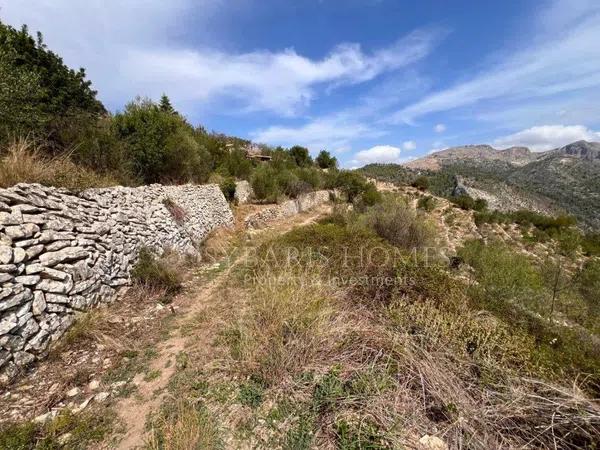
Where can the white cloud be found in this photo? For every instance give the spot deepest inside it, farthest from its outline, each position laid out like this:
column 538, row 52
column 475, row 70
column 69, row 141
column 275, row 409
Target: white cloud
column 561, row 61
column 333, row 133
column 378, row 154
column 126, row 47
column 439, row 128
column 547, row 137
column 409, row 145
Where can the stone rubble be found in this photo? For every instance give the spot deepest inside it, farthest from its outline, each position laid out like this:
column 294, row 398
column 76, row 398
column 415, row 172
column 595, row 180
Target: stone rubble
column 62, row 253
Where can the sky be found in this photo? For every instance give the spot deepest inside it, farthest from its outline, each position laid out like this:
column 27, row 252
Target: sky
column 368, row 80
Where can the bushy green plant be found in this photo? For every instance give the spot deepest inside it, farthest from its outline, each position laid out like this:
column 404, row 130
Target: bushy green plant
column 36, row 88
column 503, row 275
column 352, row 184
column 228, row 188
column 156, row 273
column 401, row 226
column 160, row 144
column 369, row 197
column 468, row 203
column 426, row 203
column 325, row 161
column 264, row 184
column 421, row 183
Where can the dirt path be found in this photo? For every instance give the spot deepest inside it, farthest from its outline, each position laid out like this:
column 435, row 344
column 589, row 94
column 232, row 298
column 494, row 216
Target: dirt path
column 135, row 410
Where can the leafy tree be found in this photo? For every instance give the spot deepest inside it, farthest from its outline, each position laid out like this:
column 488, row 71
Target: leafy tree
column 301, row 155
column 350, row 183
column 161, row 145
column 38, row 89
column 325, row 161
column 21, row 97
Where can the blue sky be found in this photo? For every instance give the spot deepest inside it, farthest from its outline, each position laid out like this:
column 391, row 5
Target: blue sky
column 369, row 80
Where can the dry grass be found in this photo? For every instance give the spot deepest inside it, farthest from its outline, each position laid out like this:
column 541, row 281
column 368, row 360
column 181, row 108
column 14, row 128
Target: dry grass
column 383, row 380
column 23, row 161
column 184, row 426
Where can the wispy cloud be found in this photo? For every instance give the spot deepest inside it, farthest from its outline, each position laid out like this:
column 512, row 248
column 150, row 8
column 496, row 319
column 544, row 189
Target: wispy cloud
column 561, row 60
column 125, row 46
column 282, row 82
column 333, row 133
column 547, row 137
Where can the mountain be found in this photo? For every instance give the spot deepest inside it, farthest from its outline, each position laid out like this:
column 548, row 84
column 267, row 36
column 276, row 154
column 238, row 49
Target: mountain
column 512, row 155
column 516, row 156
column 589, row 151
column 563, row 180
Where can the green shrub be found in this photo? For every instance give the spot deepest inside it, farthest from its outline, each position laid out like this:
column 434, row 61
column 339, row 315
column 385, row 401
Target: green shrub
column 370, row 197
column 228, row 188
column 590, row 244
column 401, row 226
column 467, row 203
column 236, row 165
column 589, row 288
column 157, row 273
column 421, row 183
column 37, row 90
column 264, row 184
column 427, row 203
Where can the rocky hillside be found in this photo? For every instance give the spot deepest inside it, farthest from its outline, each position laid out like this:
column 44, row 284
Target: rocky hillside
column 564, row 179
column 512, row 155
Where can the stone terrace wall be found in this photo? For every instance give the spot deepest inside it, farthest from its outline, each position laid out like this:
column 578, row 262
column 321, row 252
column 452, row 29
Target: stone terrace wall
column 62, row 253
column 288, row 208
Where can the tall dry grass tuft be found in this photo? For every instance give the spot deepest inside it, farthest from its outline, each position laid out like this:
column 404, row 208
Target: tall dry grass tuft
column 24, row 161
column 183, row 426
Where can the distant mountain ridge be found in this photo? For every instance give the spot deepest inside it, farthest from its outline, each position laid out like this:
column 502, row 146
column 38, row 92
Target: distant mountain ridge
column 565, row 179
column 516, row 156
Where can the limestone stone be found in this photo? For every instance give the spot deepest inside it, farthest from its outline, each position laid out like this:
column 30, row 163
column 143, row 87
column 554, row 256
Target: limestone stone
column 27, row 280
column 65, row 255
column 6, row 254
column 34, row 251
column 19, row 255
column 39, row 303
column 26, row 230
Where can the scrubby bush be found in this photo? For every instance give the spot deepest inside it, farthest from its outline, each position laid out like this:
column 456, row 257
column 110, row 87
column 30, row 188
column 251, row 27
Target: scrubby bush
column 37, row 89
column 421, row 183
column 401, row 226
column 157, row 273
column 369, row 197
column 468, row 203
column 264, row 184
column 228, row 188
column 589, row 288
column 502, row 274
column 351, row 184
column 426, row 203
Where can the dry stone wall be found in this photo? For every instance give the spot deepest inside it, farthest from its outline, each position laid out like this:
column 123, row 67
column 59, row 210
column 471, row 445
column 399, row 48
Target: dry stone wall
column 288, row 208
column 62, row 253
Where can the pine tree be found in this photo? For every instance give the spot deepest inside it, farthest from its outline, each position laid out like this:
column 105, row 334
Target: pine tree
column 165, row 105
